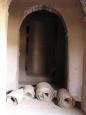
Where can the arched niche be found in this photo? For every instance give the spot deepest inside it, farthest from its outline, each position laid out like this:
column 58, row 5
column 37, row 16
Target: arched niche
column 46, row 60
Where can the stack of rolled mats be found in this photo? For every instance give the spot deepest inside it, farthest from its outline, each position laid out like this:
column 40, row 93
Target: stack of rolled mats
column 44, row 92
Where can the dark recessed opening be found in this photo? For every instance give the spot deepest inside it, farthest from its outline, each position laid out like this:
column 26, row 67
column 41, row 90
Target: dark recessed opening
column 45, row 47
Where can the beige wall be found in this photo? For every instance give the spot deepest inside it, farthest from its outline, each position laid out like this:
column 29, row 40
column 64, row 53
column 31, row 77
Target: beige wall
column 73, row 16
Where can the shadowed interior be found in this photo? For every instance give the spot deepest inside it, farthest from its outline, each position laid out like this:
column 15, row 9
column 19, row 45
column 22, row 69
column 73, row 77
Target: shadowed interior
column 44, row 47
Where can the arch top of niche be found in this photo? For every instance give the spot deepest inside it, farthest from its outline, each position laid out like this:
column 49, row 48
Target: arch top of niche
column 43, row 7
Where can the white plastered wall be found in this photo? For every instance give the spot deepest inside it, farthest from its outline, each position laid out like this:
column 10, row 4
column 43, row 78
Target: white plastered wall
column 73, row 17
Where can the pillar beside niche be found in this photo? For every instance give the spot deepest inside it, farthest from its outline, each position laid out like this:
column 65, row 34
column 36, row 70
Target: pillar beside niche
column 84, row 76
column 3, row 50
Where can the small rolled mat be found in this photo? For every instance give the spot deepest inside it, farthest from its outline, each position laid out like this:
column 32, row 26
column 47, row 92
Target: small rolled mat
column 15, row 97
column 65, row 100
column 29, row 92
column 45, row 92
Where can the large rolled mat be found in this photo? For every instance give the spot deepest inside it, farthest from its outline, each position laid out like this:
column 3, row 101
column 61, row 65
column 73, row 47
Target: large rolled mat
column 65, row 100
column 15, row 97
column 45, row 92
column 29, row 92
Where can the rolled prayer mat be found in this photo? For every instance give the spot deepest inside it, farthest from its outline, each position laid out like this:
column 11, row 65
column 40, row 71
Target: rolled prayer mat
column 65, row 100
column 29, row 92
column 45, row 92
column 15, row 97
